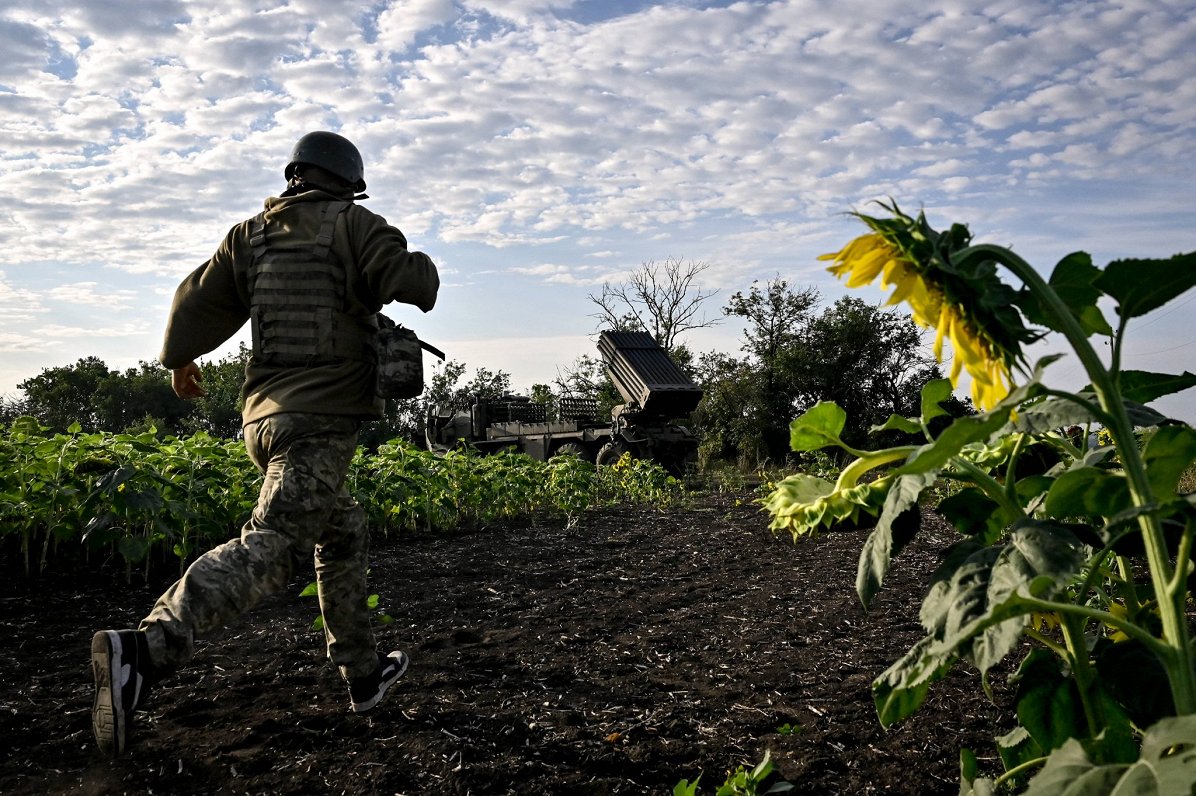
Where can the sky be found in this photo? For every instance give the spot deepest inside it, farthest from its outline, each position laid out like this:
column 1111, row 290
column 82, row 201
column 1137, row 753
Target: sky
column 537, row 149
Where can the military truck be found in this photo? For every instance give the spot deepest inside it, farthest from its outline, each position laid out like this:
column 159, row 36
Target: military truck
column 657, row 394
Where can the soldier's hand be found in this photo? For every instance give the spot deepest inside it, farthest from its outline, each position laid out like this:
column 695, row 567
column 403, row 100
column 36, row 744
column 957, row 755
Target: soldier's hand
column 185, row 381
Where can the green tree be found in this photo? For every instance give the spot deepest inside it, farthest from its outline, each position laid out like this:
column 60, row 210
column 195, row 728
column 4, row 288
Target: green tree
column 730, row 421
column 869, row 360
column 60, row 396
column 139, row 398
column 778, row 321
column 101, row 399
column 407, row 419
column 219, row 412
column 864, row 358
column 587, row 378
column 543, row 394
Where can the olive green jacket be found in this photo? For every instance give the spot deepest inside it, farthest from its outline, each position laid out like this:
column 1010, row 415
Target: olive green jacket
column 212, row 303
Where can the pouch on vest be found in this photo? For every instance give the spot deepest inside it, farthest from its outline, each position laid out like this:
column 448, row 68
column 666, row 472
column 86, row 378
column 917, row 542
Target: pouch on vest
column 400, row 360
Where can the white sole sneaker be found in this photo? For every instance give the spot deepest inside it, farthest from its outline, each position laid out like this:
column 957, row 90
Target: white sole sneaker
column 368, row 691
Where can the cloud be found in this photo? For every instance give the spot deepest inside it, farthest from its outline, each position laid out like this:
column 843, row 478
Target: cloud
column 20, row 343
column 585, row 275
column 86, row 293
column 541, row 127
column 399, row 23
column 59, row 331
column 18, row 303
column 133, row 133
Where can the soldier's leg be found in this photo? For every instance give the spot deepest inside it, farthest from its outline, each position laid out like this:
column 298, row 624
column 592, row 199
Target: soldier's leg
column 304, row 458
column 341, row 576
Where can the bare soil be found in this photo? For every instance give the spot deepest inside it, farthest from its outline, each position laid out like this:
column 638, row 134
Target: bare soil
column 618, row 656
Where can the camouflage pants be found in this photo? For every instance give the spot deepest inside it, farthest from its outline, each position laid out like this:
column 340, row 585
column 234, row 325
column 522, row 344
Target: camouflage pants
column 304, row 507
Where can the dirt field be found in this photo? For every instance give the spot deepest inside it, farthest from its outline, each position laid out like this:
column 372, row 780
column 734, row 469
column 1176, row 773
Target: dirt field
column 616, row 657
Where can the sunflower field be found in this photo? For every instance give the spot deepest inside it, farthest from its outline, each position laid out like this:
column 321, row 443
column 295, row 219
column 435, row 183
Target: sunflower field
column 144, row 501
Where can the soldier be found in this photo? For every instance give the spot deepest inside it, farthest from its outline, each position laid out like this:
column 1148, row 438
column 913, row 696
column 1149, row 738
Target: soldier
column 309, row 273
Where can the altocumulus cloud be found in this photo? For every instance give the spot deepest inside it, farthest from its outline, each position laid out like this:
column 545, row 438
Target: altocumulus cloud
column 534, row 133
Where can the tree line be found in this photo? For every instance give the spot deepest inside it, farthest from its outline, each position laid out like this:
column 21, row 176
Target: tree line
column 794, row 352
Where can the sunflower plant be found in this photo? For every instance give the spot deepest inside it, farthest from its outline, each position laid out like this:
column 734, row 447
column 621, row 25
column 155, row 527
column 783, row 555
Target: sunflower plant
column 1075, row 557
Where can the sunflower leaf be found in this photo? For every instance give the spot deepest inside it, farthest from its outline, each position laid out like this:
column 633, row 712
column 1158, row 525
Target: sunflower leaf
column 817, row 428
column 1167, row 455
column 1072, row 280
column 976, row 608
column 1053, row 413
column 898, row 423
column 1166, row 766
column 934, row 393
column 1140, row 286
column 899, row 522
column 1144, row 387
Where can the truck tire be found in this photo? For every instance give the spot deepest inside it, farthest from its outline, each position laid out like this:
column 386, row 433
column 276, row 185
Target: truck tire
column 573, row 449
column 611, row 452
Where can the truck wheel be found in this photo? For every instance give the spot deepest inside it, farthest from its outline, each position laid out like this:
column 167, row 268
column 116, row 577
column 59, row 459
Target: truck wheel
column 610, row 453
column 573, row 449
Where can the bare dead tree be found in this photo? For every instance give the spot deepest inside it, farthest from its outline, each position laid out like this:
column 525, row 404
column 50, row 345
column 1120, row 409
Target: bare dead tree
column 663, row 300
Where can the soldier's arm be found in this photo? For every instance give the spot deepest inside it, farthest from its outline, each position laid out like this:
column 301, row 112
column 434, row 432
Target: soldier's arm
column 208, row 309
column 392, row 272
column 185, row 381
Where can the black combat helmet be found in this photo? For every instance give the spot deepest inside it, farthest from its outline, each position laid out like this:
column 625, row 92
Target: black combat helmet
column 331, row 152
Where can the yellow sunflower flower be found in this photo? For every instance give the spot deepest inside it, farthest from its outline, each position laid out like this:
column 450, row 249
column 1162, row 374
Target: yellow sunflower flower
column 864, row 259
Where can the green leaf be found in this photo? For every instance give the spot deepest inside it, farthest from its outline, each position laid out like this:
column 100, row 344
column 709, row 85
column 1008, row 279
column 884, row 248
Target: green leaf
column 934, row 393
column 898, row 423
column 973, row 428
column 1068, row 772
column 902, row 688
column 1165, row 767
column 964, row 431
column 1143, row 416
column 1072, row 280
column 1047, row 703
column 112, row 481
column 371, row 602
column 1088, row 491
column 1017, row 747
column 1168, row 453
column 1051, row 414
column 1169, row 750
column 310, row 590
column 1031, row 487
column 900, row 521
column 1144, row 387
column 133, row 548
column 1140, row 286
column 976, row 608
column 974, row 513
column 970, row 783
column 817, row 428
column 1136, row 679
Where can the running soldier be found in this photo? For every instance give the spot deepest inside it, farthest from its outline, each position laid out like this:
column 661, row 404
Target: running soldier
column 310, row 274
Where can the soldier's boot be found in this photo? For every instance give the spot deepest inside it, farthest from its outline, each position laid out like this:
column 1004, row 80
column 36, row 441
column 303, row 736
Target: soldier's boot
column 121, row 666
column 366, row 692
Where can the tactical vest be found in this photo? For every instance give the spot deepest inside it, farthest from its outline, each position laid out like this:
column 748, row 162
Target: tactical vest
column 297, row 299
